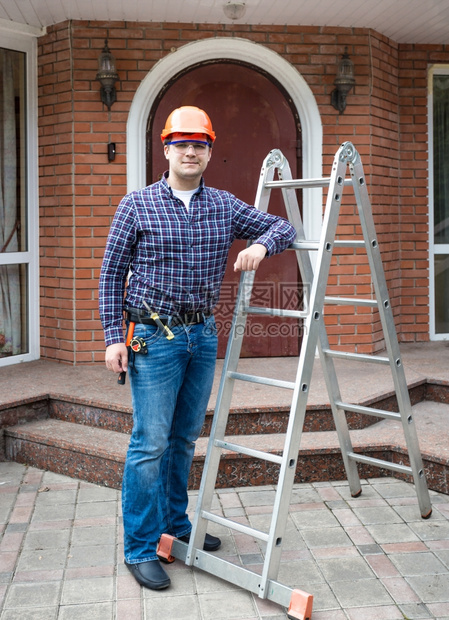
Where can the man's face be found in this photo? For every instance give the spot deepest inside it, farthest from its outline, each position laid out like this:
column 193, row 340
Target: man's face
column 188, row 158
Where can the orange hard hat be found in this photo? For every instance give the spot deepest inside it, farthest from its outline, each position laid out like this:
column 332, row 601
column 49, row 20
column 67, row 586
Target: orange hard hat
column 188, row 119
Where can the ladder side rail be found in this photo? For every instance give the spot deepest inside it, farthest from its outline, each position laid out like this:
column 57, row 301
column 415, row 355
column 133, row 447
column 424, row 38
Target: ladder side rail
column 303, row 248
column 389, row 329
column 224, row 396
column 329, row 372
column 301, row 244
column 272, row 162
column 379, row 282
column 218, row 429
column 339, row 416
column 290, row 456
column 339, row 168
column 314, row 326
column 283, row 493
column 294, row 214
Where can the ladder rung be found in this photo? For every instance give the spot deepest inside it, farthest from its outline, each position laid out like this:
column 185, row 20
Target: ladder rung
column 304, row 245
column 295, row 314
column 233, row 525
column 266, row 456
column 299, row 183
column 290, row 385
column 349, row 243
column 378, row 413
column 369, row 460
column 350, row 301
column 359, row 357
column 314, row 245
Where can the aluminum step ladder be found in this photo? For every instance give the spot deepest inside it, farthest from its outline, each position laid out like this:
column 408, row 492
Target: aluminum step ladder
column 298, row 602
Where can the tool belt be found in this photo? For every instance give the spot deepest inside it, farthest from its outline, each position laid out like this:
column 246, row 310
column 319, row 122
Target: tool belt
column 140, row 316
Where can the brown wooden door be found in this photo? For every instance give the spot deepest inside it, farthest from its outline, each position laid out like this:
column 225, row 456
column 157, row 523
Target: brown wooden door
column 250, row 116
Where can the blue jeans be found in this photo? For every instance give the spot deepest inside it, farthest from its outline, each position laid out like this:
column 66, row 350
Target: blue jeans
column 170, row 387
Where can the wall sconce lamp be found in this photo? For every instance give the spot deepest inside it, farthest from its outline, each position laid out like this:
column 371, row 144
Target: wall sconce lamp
column 344, row 81
column 107, row 76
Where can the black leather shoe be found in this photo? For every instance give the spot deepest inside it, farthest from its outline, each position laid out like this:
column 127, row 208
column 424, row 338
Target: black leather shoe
column 149, row 574
column 211, row 543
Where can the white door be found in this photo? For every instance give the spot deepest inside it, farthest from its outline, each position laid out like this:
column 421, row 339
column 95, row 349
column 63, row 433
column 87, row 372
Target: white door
column 19, row 268
column 439, row 202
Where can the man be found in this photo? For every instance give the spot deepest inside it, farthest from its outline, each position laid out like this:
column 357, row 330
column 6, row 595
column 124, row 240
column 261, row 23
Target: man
column 171, row 241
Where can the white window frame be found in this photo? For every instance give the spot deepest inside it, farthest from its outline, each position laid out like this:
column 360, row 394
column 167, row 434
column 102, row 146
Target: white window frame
column 433, row 248
column 24, row 39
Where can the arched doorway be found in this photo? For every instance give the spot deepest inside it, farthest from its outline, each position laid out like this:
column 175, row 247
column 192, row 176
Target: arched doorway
column 251, row 115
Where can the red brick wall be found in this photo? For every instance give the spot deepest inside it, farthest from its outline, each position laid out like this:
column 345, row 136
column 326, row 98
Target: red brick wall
column 371, row 122
column 56, row 180
column 413, row 81
column 385, row 119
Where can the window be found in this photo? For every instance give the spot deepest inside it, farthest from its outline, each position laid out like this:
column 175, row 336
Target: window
column 19, row 307
column 439, row 202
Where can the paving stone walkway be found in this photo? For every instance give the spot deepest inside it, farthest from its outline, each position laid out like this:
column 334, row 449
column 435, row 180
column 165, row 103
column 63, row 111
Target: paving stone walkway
column 369, row 558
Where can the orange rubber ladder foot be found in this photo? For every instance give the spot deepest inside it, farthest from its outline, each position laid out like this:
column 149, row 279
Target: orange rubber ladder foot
column 300, row 605
column 164, row 549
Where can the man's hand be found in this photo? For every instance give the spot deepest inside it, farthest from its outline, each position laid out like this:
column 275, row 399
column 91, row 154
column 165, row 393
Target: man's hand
column 117, row 357
column 250, row 258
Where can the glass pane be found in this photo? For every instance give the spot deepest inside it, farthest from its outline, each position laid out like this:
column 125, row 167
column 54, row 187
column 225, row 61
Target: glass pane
column 13, row 310
column 13, row 237
column 441, row 293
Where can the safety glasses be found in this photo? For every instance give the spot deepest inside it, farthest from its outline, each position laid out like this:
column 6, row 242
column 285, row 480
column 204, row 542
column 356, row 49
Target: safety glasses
column 182, row 147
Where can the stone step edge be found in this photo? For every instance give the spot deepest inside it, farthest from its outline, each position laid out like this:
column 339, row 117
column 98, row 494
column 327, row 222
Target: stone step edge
column 104, row 443
column 98, row 455
column 56, row 445
column 242, row 420
column 318, row 417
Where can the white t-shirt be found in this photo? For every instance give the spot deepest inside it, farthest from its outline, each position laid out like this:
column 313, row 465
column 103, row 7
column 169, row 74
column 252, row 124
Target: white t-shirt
column 185, row 196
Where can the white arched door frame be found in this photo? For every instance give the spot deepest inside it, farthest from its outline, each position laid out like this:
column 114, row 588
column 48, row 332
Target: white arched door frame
column 222, row 48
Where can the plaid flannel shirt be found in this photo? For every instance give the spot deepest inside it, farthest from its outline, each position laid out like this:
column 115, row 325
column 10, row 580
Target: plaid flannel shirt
column 176, row 259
